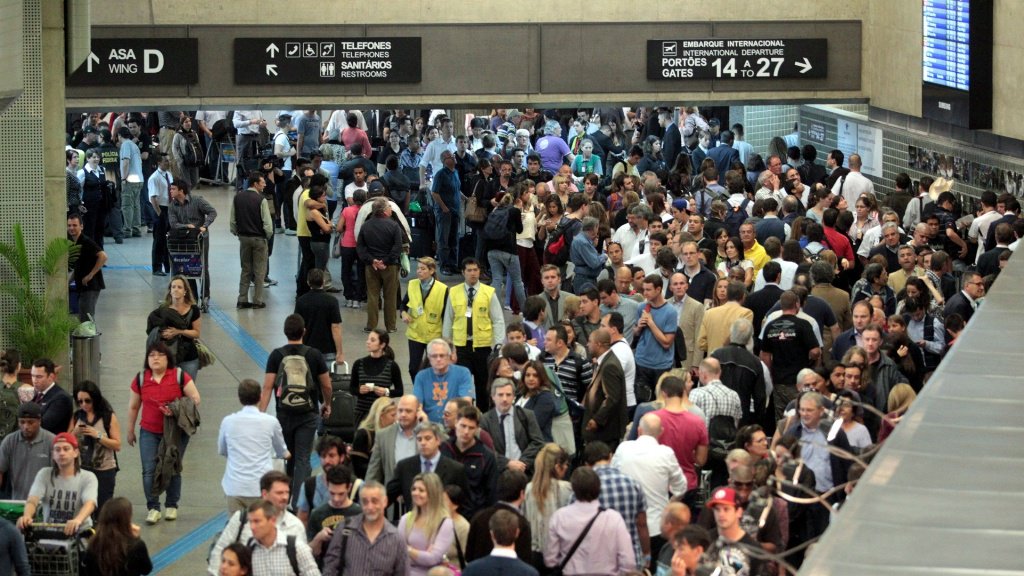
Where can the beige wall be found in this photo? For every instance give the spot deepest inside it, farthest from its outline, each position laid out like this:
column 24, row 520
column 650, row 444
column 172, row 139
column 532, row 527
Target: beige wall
column 891, row 58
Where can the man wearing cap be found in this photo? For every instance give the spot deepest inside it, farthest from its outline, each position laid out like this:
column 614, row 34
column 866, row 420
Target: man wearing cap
column 759, row 519
column 729, row 542
column 24, row 453
column 66, row 492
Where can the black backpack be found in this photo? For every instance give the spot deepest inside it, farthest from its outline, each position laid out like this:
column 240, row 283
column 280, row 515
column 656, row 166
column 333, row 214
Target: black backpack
column 736, row 216
column 496, row 226
column 296, row 393
column 560, row 242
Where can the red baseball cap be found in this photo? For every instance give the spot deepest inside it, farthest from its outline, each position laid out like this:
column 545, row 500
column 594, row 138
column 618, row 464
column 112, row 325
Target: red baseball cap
column 723, row 496
column 66, row 437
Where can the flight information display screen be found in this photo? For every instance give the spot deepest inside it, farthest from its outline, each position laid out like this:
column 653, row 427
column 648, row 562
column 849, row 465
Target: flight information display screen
column 947, row 43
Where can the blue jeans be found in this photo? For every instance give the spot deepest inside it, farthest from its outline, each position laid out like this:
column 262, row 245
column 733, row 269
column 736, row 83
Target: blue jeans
column 190, row 367
column 502, row 262
column 299, row 431
column 148, row 444
column 444, row 233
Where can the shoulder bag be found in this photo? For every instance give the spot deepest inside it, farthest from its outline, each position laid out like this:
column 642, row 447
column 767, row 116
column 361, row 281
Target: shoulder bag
column 560, row 569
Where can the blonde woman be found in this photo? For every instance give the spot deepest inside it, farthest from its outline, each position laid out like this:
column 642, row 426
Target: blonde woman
column 422, row 310
column 381, row 415
column 426, row 529
column 901, row 397
column 545, row 494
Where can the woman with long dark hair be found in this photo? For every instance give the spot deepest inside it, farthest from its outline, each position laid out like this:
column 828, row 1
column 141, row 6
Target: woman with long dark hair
column 376, row 374
column 116, row 548
column 152, row 389
column 734, row 258
column 179, row 323
column 99, row 437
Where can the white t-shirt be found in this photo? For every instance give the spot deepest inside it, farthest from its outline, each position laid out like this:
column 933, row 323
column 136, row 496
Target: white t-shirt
column 856, row 184
column 63, row 498
column 281, row 142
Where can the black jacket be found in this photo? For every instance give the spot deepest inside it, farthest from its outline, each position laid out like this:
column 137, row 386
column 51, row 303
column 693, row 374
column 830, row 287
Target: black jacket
column 450, row 471
column 743, row 373
column 380, row 239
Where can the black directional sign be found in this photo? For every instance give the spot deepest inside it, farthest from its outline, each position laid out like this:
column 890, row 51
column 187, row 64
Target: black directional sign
column 742, row 59
column 327, row 60
column 139, row 62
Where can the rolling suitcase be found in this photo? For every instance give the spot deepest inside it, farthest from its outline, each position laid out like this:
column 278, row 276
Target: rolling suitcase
column 342, row 421
column 422, row 243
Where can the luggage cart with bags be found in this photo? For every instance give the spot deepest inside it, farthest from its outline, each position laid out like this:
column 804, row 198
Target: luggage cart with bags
column 188, row 259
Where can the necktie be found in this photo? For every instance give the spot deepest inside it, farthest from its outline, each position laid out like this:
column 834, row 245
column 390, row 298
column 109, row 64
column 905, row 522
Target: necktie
column 38, row 398
column 504, row 437
column 167, row 179
column 427, row 466
column 469, row 329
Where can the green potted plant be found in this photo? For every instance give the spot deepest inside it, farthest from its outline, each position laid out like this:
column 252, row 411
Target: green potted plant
column 40, row 325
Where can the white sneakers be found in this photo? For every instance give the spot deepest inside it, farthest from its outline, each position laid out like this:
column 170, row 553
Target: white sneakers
column 153, row 517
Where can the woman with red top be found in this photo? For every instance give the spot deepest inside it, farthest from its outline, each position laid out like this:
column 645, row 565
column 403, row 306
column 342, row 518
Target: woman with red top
column 353, row 275
column 161, row 383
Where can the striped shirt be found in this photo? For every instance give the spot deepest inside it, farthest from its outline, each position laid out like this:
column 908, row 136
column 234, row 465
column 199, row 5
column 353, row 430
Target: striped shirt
column 385, row 555
column 274, row 560
column 573, row 372
column 196, row 210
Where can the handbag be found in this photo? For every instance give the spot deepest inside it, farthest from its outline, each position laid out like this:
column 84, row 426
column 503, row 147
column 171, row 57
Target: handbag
column 206, row 356
column 558, row 571
column 475, row 212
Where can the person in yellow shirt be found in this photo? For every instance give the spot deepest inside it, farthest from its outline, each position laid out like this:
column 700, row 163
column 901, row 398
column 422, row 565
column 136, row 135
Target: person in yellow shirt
column 422, row 310
column 475, row 323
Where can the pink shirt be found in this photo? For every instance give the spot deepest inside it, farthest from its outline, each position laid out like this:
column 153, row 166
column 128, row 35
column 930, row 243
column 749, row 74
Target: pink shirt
column 348, row 239
column 683, row 433
column 350, row 136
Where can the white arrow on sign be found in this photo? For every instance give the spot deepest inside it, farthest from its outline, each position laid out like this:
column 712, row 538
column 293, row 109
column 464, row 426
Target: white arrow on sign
column 88, row 62
column 271, row 69
column 273, row 49
column 804, row 66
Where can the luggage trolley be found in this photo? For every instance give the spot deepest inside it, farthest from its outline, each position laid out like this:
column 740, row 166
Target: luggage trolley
column 188, row 259
column 51, row 552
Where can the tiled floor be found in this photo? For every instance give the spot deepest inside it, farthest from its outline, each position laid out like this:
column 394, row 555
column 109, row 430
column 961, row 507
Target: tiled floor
column 240, row 338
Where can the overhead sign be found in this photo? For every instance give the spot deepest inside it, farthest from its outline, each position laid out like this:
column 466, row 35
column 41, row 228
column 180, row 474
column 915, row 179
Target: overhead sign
column 743, row 59
column 139, row 62
column 327, row 60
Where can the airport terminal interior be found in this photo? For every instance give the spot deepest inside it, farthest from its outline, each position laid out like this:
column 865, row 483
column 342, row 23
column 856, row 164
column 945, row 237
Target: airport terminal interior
column 859, row 76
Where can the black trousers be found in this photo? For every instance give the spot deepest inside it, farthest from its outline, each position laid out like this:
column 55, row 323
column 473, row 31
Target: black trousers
column 476, row 360
column 161, row 260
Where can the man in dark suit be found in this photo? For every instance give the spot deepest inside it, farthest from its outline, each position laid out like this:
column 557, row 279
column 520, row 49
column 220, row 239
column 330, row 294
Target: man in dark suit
column 988, row 263
column 429, row 436
column 761, row 301
column 604, row 406
column 511, row 494
column 504, row 529
column 57, row 404
column 724, row 155
column 672, row 143
column 505, row 420
column 963, row 302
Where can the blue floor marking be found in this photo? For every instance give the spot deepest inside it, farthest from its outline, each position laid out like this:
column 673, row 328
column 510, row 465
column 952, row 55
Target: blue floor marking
column 129, row 267
column 245, row 341
column 189, row 542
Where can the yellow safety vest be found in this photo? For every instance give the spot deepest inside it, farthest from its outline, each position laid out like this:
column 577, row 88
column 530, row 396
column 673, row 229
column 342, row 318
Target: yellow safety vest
column 483, row 332
column 426, row 318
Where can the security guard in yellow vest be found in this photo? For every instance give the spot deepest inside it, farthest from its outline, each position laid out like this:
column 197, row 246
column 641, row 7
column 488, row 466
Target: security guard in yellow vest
column 475, row 323
column 423, row 315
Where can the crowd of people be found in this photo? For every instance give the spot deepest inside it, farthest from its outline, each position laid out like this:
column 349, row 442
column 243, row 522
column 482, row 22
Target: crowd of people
column 667, row 352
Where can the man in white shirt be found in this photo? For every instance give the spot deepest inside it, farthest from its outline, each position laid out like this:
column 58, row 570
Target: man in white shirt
column 853, row 184
column 632, row 235
column 248, row 124
column 159, row 192
column 615, row 325
column 979, row 226
column 250, row 440
column 432, row 154
column 654, row 467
